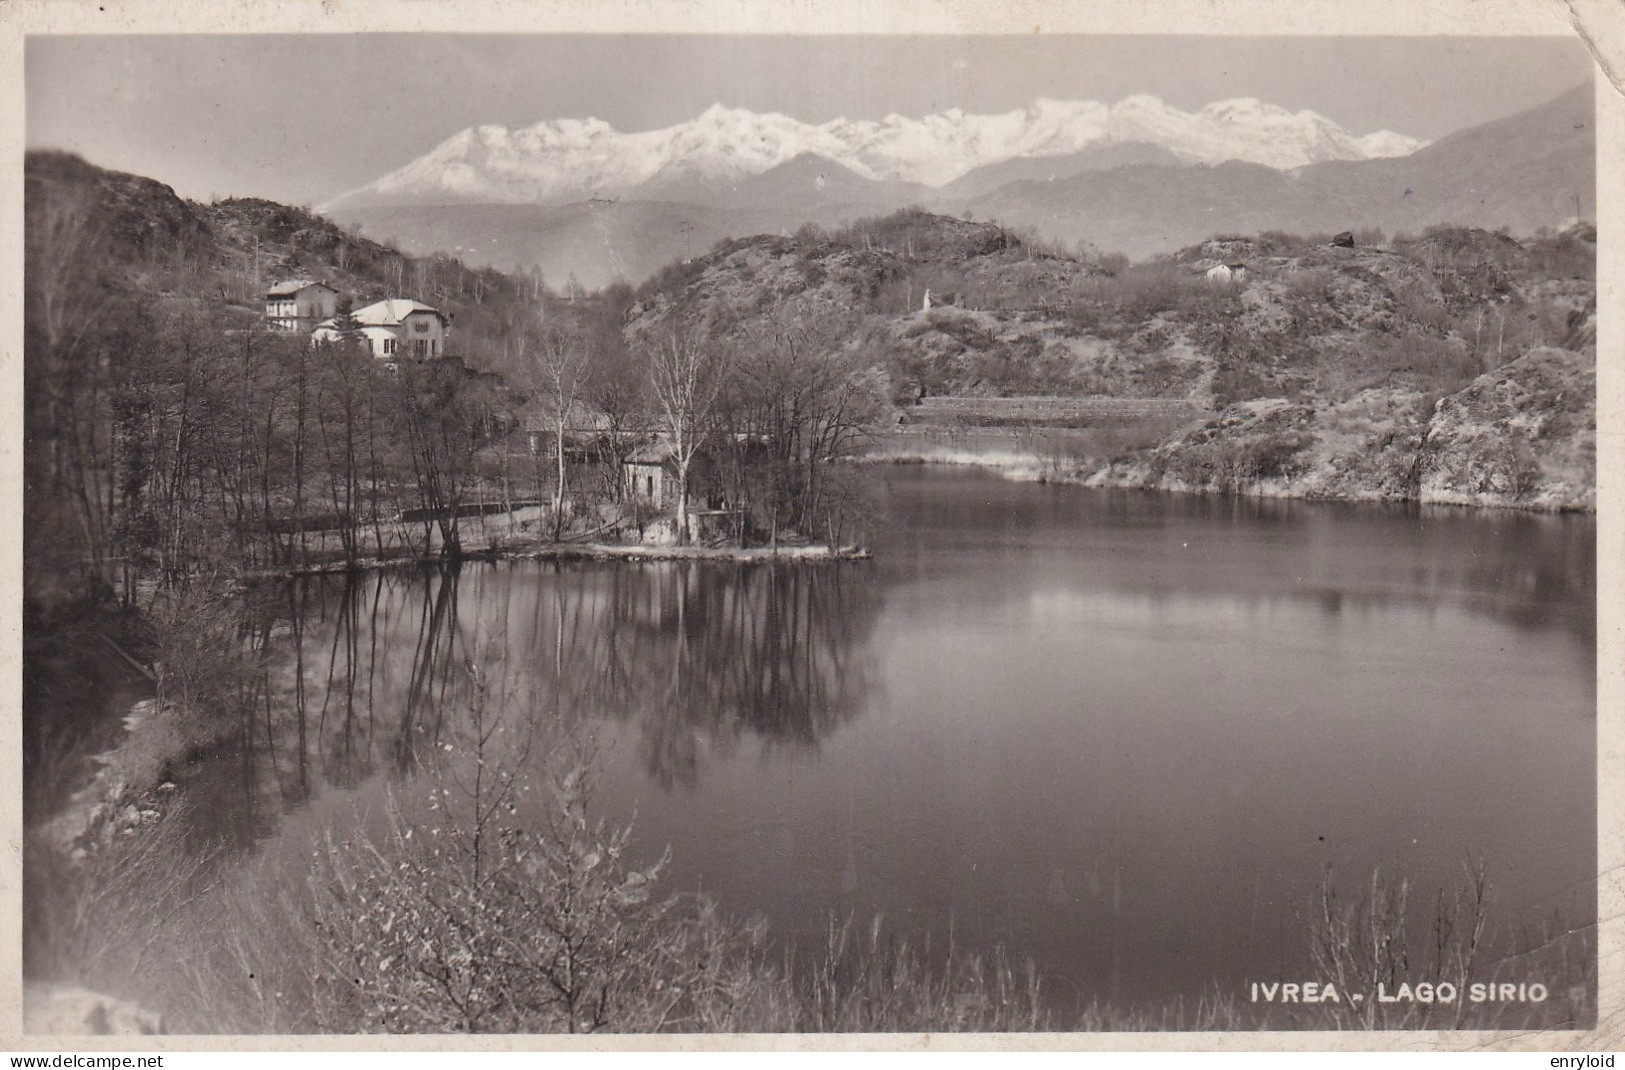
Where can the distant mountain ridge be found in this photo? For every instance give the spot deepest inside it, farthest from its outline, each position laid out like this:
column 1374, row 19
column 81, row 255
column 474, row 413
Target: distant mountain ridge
column 1531, row 170
column 563, row 160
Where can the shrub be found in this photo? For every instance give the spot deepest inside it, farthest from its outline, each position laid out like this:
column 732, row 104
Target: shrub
column 1310, row 284
column 1141, row 292
column 810, row 234
column 1240, row 380
column 453, row 923
column 1281, row 243
column 1376, row 939
column 869, row 983
column 554, row 928
column 107, row 918
column 1566, row 256
column 1274, row 455
column 463, row 923
column 1519, row 469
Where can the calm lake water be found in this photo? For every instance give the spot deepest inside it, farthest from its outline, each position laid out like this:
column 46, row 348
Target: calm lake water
column 1122, row 733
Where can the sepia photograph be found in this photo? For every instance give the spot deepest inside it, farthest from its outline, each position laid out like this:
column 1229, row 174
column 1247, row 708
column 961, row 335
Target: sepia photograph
column 807, row 529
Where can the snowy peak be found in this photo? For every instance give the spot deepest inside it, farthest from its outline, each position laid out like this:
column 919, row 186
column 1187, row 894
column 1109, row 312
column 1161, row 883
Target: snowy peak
column 562, row 160
column 1249, row 130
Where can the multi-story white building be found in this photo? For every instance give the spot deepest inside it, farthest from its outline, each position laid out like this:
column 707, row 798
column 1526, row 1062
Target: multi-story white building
column 299, row 304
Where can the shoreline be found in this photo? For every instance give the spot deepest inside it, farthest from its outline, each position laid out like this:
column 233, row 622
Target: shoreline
column 565, row 551
column 1033, row 469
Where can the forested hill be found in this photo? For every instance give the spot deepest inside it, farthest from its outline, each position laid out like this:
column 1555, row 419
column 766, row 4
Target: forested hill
column 129, row 236
column 170, row 439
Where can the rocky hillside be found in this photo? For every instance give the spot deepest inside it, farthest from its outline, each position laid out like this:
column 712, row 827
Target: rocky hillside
column 1459, row 368
column 1523, row 434
column 1455, row 366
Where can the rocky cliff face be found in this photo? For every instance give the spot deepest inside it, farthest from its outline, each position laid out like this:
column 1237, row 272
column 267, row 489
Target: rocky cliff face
column 1524, row 433
column 1522, row 436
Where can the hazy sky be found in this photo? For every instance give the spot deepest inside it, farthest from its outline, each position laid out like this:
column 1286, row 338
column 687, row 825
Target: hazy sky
column 300, row 118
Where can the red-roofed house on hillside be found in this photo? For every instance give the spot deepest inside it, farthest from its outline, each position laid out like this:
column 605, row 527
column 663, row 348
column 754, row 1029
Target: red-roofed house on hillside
column 396, row 327
column 299, row 304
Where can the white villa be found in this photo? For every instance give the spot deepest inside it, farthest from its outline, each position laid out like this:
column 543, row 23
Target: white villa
column 394, row 328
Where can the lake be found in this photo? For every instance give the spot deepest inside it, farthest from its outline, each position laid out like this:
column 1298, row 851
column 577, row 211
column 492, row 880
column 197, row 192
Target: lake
column 1121, row 733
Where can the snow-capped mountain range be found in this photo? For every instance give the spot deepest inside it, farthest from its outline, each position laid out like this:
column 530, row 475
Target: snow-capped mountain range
column 563, row 160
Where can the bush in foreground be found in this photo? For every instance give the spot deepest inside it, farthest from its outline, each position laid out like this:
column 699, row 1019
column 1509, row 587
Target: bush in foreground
column 492, row 897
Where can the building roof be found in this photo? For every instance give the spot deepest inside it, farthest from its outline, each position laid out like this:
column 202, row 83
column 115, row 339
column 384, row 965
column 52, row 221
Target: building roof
column 328, row 330
column 539, row 415
column 391, row 311
column 293, row 286
column 657, row 452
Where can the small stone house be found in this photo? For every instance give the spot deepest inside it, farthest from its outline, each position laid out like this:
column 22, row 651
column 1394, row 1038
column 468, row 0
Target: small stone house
column 299, row 304
column 645, row 475
column 649, row 477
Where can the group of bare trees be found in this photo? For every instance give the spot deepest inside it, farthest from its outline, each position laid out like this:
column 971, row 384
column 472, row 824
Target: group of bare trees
column 771, row 404
column 162, row 448
column 768, row 404
column 804, row 388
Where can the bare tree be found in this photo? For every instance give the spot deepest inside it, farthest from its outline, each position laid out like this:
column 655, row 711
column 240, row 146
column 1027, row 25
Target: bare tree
column 67, row 378
column 806, row 389
column 687, row 372
column 618, row 389
column 562, row 362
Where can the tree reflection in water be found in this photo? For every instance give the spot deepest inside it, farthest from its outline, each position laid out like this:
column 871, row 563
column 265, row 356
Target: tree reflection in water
column 366, row 673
